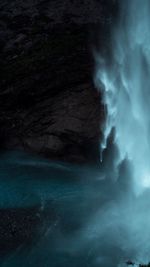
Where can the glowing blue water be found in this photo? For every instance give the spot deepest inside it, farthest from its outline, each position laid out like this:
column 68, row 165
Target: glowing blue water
column 124, row 79
column 97, row 222
column 126, row 89
column 101, row 218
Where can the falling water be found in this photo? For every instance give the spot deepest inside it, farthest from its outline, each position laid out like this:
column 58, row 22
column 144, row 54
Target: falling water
column 84, row 219
column 125, row 82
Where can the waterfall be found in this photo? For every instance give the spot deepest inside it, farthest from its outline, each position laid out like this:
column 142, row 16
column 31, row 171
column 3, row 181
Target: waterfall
column 125, row 84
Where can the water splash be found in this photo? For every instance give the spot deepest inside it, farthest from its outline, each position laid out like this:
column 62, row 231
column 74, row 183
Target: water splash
column 125, row 82
column 99, row 222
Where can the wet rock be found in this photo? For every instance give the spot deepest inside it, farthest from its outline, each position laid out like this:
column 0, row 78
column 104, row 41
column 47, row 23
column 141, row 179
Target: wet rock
column 48, row 103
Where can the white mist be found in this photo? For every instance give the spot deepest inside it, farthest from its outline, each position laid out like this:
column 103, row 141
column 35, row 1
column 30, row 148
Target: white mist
column 126, row 89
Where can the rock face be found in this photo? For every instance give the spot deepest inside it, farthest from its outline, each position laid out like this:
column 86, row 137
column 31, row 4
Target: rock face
column 48, row 103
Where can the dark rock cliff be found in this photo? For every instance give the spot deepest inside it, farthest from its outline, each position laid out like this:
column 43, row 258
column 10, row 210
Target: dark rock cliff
column 48, row 103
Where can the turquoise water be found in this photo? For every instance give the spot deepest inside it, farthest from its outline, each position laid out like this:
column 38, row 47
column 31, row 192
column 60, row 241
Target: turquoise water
column 60, row 194
column 61, row 215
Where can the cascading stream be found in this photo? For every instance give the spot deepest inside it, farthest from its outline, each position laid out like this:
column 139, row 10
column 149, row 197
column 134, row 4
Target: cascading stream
column 125, row 83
